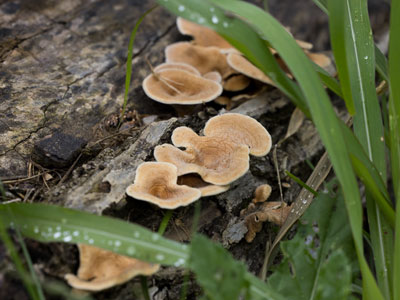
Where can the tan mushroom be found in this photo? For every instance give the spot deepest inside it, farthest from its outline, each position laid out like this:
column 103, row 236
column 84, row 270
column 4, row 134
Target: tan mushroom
column 202, row 35
column 236, row 83
column 204, row 59
column 320, row 59
column 175, row 86
column 240, row 129
column 243, row 66
column 206, row 189
column 100, row 269
column 180, row 66
column 260, row 211
column 155, row 182
column 262, row 193
column 217, row 161
column 215, row 76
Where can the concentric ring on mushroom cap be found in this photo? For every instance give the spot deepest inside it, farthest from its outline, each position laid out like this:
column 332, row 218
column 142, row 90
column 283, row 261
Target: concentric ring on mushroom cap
column 155, row 182
column 101, row 269
column 217, row 161
column 241, row 129
column 174, row 86
column 204, row 59
column 179, row 66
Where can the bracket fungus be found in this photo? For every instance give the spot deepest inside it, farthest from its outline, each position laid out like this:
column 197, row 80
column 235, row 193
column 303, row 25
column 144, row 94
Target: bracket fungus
column 206, row 189
column 217, row 161
column 240, row 129
column 240, row 64
column 101, row 269
column 156, row 182
column 178, row 65
column 202, row 35
column 177, row 86
column 204, row 59
column 255, row 214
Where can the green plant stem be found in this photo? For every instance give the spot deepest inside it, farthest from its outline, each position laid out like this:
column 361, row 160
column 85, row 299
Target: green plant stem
column 129, row 61
column 301, row 183
column 145, row 288
column 164, row 222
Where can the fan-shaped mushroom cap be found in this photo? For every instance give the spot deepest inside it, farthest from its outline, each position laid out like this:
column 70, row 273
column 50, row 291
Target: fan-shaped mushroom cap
column 100, row 269
column 202, row 35
column 262, row 193
column 204, row 59
column 243, row 66
column 155, row 182
column 205, row 188
column 320, row 59
column 240, row 129
column 214, row 75
column 180, row 66
column 174, row 86
column 236, row 83
column 217, row 161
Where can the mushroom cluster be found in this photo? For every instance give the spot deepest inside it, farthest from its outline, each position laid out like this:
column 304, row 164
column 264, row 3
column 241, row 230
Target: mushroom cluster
column 206, row 166
column 201, row 70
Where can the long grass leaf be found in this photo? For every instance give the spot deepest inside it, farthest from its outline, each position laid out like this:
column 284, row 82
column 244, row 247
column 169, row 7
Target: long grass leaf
column 353, row 48
column 49, row 223
column 394, row 124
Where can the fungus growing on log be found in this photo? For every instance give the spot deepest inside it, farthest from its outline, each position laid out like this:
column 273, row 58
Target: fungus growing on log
column 156, row 182
column 202, row 35
column 217, row 161
column 101, row 269
column 177, row 86
column 255, row 214
column 206, row 189
column 236, row 83
column 179, row 66
column 240, row 129
column 204, row 59
column 240, row 64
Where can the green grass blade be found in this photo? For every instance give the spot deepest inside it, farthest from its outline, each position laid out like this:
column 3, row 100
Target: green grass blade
column 353, row 48
column 381, row 64
column 30, row 285
column 242, row 37
column 49, row 223
column 128, row 75
column 394, row 125
column 380, row 59
column 330, row 82
column 301, row 183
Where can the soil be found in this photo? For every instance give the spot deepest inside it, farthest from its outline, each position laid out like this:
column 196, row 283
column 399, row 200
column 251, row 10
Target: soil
column 62, row 80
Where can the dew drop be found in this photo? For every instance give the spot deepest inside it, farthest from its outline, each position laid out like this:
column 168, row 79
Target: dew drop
column 160, row 257
column 181, row 8
column 214, row 19
column 57, row 235
column 201, row 20
column 366, row 57
column 36, row 229
column 58, row 228
column 117, row 243
column 212, row 9
column 136, row 234
column 131, row 250
column 179, row 262
column 155, row 237
column 67, row 238
column 91, row 241
column 225, row 24
column 75, row 233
